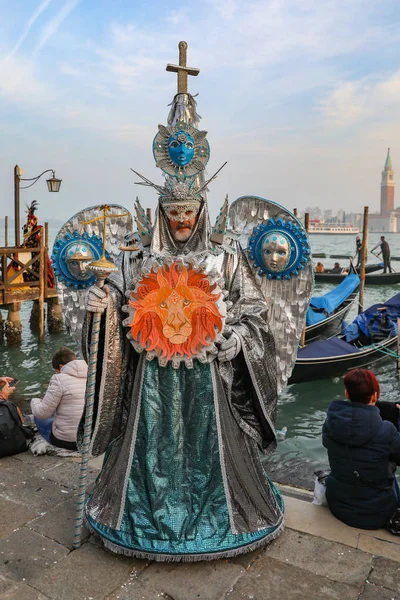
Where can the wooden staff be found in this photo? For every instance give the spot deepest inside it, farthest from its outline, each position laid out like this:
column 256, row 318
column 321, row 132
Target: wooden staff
column 364, row 250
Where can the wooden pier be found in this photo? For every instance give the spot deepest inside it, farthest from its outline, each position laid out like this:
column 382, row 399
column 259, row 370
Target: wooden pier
column 14, row 291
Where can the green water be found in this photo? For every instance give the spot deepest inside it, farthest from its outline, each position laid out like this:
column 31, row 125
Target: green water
column 301, row 407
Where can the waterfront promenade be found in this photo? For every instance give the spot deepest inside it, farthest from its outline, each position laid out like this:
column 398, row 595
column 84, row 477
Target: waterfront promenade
column 317, row 556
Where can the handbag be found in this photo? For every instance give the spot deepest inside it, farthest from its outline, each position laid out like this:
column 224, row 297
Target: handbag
column 320, row 488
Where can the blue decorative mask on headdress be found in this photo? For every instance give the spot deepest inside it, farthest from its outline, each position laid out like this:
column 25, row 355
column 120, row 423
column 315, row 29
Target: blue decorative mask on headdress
column 181, row 148
column 279, row 249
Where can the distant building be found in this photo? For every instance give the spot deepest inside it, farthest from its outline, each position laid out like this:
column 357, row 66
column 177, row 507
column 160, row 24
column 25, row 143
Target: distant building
column 383, row 224
column 387, row 187
column 386, row 220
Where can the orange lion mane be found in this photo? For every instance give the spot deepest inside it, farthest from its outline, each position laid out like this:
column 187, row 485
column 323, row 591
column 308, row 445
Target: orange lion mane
column 189, row 294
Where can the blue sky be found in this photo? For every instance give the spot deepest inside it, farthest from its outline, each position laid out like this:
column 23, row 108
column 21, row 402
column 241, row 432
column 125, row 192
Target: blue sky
column 301, row 97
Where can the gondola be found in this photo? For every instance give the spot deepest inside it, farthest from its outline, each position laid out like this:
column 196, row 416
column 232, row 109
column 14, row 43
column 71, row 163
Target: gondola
column 368, row 339
column 326, row 312
column 371, row 278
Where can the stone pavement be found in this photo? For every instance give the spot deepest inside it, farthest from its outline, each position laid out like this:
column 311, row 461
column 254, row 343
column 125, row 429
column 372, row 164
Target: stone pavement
column 317, row 556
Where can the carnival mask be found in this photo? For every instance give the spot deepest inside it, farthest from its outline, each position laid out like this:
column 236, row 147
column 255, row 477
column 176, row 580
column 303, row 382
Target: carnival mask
column 276, row 252
column 181, row 211
column 77, row 258
column 181, row 148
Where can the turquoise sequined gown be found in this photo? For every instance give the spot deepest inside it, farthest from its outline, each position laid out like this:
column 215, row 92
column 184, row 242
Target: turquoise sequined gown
column 175, row 503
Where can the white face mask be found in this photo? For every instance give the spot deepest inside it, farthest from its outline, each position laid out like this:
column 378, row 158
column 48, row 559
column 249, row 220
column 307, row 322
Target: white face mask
column 181, row 211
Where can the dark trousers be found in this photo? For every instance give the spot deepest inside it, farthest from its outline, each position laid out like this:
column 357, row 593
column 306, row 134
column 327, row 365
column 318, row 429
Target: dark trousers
column 386, row 264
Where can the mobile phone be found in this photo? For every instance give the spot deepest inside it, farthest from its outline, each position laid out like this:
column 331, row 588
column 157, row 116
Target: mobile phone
column 13, row 382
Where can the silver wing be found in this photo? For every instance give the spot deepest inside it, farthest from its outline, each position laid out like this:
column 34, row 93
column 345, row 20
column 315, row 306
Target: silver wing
column 118, row 230
column 287, row 298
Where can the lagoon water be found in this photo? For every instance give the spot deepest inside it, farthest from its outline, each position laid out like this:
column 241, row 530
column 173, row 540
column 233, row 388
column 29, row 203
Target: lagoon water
column 301, row 407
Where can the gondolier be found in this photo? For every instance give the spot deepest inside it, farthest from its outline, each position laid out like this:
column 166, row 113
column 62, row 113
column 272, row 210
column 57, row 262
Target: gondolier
column 385, row 251
column 358, row 250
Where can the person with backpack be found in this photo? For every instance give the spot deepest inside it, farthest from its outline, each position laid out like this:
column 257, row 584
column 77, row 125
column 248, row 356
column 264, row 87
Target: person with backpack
column 14, row 437
column 57, row 415
column 363, row 452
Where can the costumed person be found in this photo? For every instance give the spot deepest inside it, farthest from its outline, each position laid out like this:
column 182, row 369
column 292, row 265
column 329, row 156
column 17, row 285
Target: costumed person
column 385, row 251
column 199, row 332
column 32, row 233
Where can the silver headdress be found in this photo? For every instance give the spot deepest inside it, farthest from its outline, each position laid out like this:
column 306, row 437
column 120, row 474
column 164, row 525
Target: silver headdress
column 182, row 152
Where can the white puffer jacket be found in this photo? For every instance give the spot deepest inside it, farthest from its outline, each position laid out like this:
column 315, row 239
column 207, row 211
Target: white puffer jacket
column 64, row 399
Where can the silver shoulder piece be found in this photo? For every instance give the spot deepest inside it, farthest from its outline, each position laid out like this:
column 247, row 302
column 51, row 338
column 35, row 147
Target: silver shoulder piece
column 278, row 251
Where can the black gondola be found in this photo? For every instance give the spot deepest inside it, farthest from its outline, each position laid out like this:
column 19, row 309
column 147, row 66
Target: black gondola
column 371, row 335
column 326, row 312
column 371, row 278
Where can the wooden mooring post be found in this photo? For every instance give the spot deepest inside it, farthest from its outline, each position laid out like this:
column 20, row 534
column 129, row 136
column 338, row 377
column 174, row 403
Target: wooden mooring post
column 42, row 285
column 306, row 224
column 364, row 251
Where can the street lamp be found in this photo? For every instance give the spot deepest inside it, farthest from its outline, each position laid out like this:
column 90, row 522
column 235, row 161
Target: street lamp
column 53, row 185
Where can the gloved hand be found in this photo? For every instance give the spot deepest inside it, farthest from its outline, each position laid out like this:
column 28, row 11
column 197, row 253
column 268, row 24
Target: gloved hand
column 229, row 348
column 97, row 299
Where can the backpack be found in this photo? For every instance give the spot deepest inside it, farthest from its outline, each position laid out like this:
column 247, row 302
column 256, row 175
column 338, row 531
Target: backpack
column 13, row 434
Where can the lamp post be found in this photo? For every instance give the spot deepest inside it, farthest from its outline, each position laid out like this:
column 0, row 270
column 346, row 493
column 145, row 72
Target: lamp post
column 53, row 185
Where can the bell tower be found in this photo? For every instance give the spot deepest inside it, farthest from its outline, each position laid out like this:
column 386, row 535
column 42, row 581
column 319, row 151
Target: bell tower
column 387, row 187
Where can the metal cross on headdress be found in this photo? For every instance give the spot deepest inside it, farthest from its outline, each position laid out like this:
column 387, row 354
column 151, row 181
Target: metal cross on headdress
column 182, row 70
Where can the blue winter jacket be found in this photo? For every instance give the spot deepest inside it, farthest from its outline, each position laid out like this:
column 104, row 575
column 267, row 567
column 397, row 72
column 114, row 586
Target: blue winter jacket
column 358, row 440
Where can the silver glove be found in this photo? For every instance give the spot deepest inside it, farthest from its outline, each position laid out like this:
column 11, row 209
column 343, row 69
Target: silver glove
column 96, row 300
column 229, row 348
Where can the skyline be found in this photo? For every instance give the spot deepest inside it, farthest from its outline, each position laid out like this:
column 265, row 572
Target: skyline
column 302, row 101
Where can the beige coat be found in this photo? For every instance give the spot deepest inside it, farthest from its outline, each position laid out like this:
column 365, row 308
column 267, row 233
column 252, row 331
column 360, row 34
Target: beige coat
column 64, row 399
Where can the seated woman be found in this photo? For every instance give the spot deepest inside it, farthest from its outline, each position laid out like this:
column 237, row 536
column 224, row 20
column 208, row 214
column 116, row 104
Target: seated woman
column 363, row 453
column 319, row 268
column 57, row 415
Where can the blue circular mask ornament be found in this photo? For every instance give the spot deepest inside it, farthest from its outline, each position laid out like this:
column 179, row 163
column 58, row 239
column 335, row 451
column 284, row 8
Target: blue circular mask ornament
column 181, row 148
column 279, row 249
column 71, row 256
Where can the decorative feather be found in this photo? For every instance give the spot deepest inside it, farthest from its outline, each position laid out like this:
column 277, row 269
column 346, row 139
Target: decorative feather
column 219, row 229
column 32, row 208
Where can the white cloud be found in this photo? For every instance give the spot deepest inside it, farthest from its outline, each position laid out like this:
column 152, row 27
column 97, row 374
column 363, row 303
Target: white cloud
column 369, row 98
column 67, row 69
column 54, row 24
column 20, row 84
column 28, row 25
column 177, row 17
